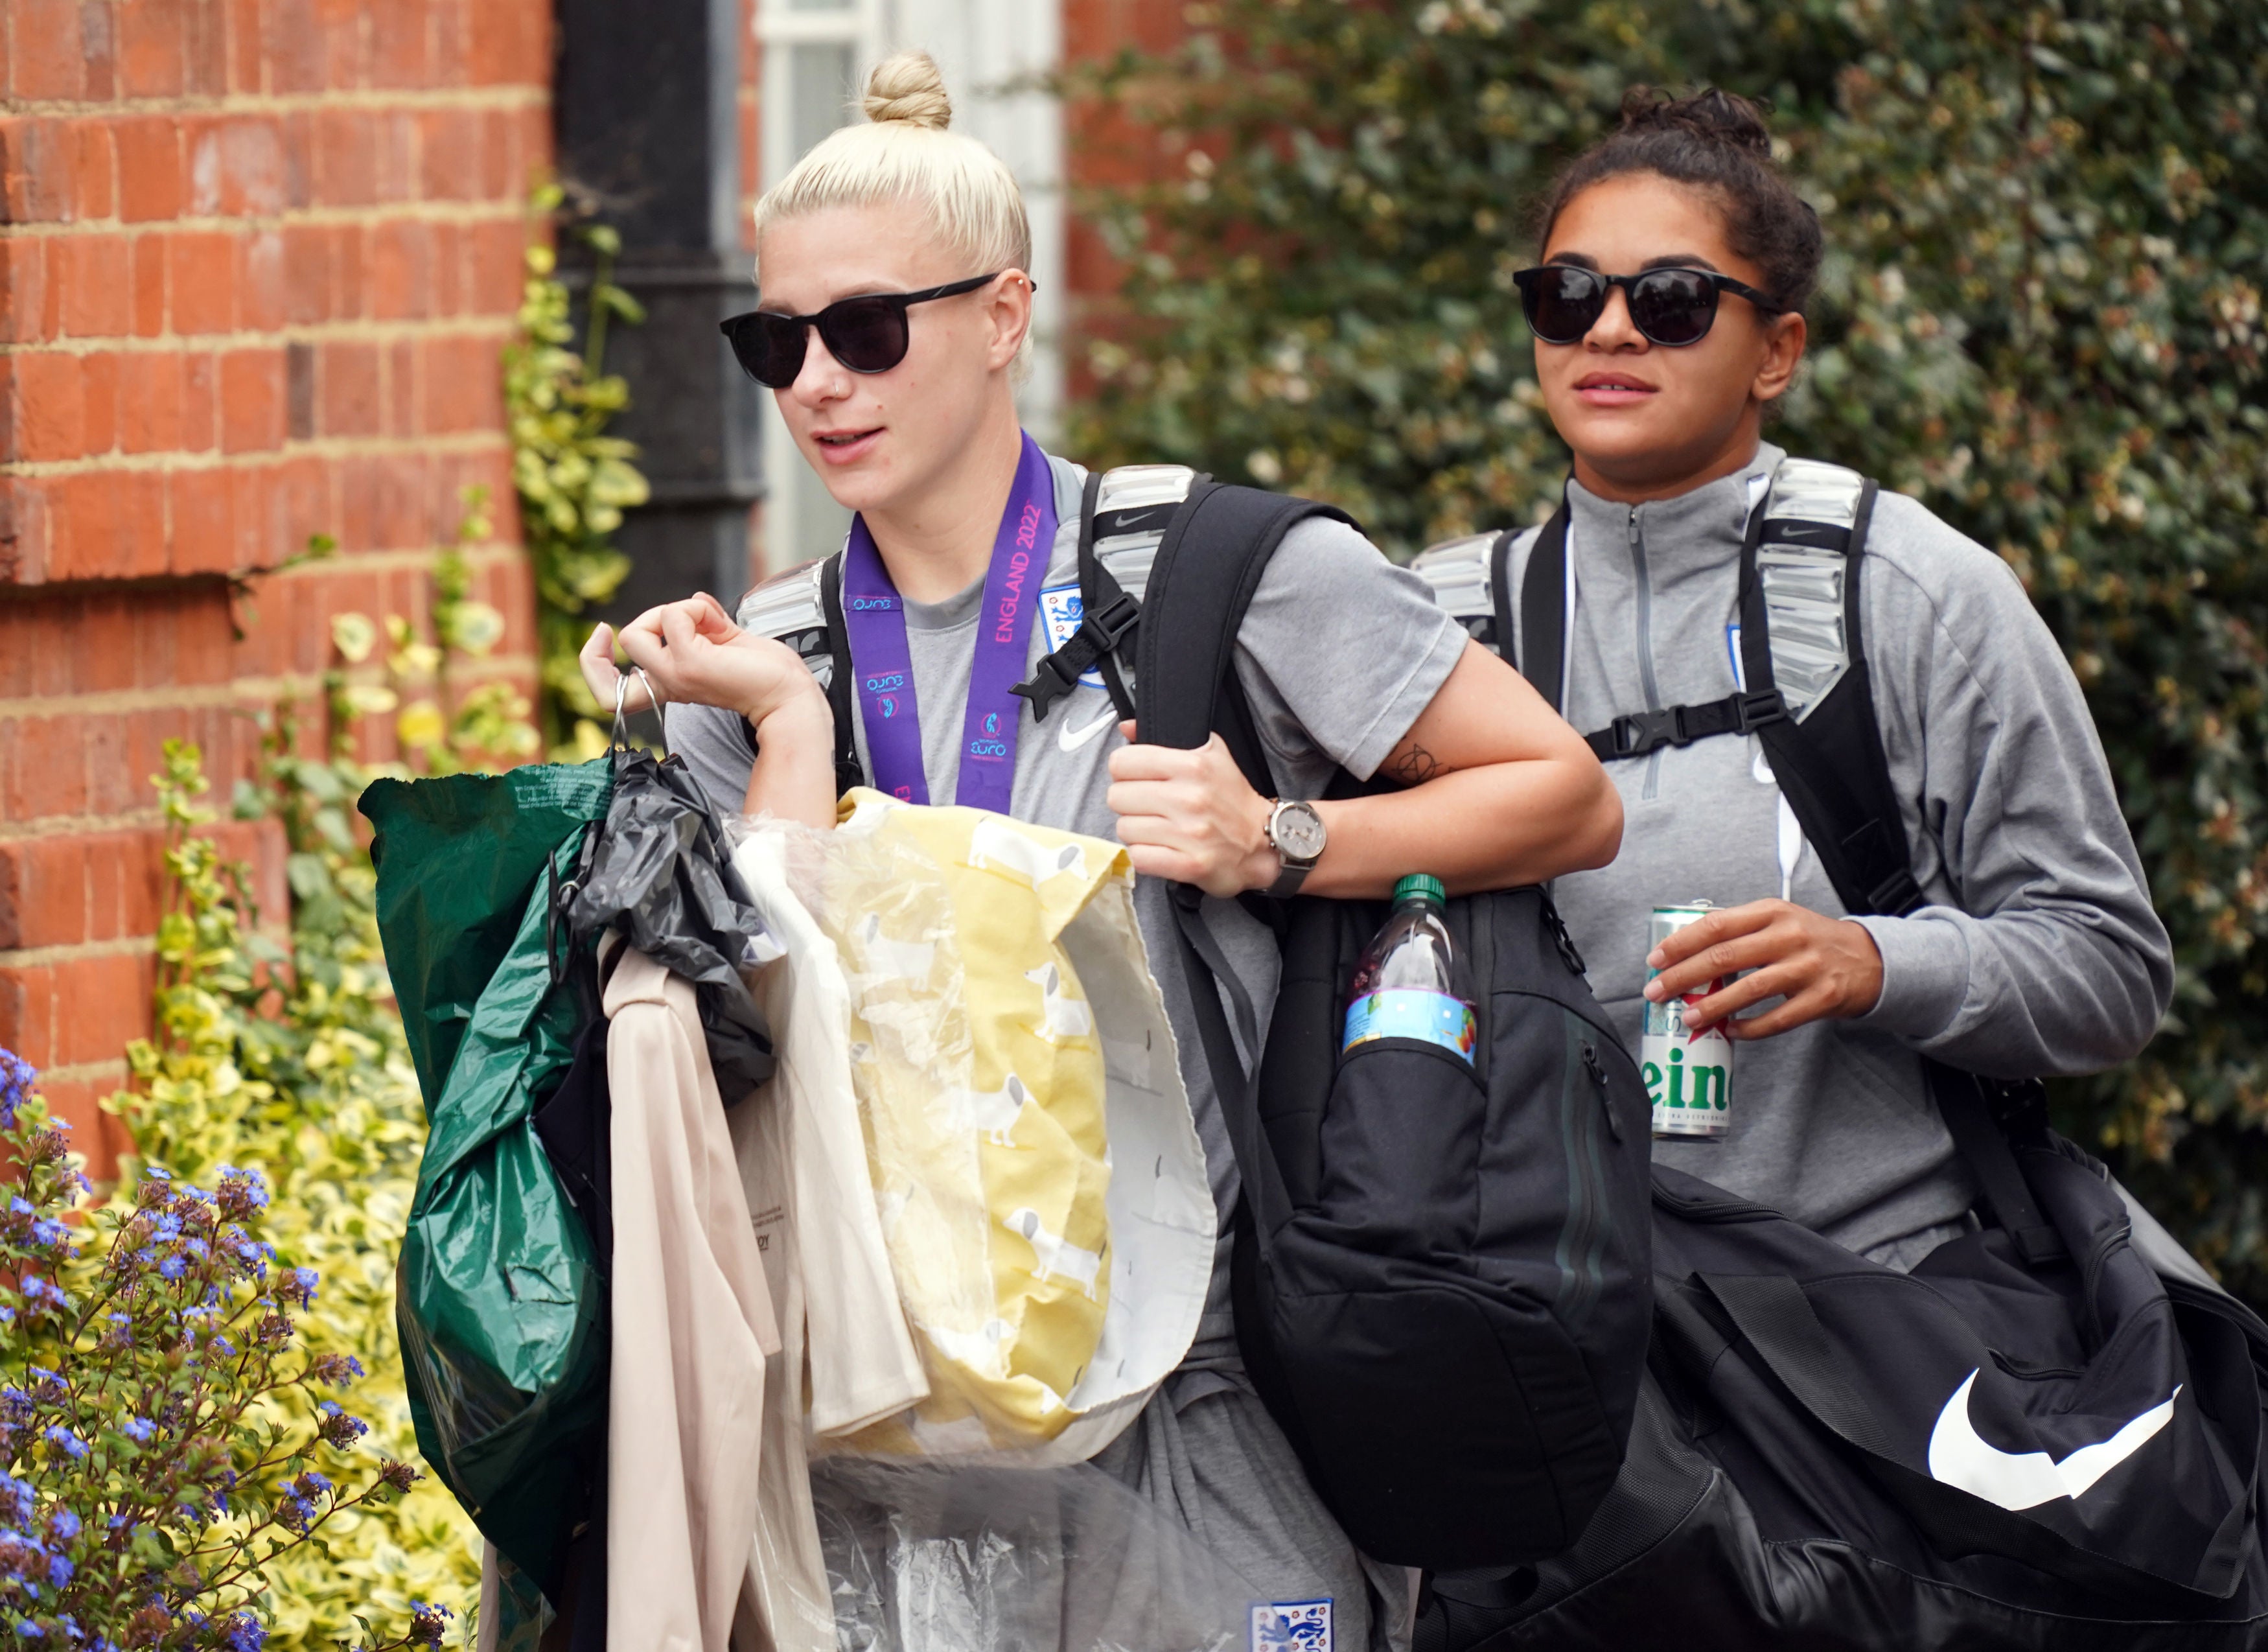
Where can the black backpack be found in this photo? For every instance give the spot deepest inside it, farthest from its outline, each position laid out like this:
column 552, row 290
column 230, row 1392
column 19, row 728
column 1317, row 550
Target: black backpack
column 2047, row 1435
column 1440, row 1269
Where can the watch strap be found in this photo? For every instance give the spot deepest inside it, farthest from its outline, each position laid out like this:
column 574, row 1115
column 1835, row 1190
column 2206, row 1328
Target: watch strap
column 1288, row 881
column 1295, row 872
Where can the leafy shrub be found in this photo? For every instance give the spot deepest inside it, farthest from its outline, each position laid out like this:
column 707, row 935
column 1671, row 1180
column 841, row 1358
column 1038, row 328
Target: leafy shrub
column 2042, row 314
column 161, row 1432
column 287, row 1055
column 574, row 481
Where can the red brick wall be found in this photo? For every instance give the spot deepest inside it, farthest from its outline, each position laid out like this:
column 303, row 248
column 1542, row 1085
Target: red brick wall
column 1103, row 151
column 256, row 261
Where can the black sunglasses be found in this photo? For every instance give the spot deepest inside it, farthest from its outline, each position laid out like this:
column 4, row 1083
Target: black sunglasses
column 866, row 334
column 1675, row 307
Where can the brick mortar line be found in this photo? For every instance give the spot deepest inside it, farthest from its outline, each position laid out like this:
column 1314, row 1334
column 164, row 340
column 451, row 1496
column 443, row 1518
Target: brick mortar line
column 503, row 94
column 85, row 1071
column 80, row 825
column 32, row 958
column 187, row 696
column 488, row 553
column 369, row 213
column 314, row 447
column 476, row 324
column 261, row 690
column 157, row 588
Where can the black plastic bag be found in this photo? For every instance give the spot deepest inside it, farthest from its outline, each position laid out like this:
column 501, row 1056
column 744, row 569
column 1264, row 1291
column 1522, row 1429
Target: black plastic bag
column 661, row 873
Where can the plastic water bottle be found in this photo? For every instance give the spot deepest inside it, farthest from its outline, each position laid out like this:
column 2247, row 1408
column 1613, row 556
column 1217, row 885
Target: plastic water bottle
column 1411, row 984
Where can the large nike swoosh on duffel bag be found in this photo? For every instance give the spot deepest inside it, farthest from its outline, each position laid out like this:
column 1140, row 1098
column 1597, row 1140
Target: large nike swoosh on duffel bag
column 1959, row 1455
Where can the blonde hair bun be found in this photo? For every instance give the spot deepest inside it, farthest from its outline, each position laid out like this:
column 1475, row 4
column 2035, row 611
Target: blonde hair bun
column 908, row 86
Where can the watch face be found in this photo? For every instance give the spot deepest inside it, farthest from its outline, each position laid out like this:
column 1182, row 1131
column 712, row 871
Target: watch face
column 1298, row 832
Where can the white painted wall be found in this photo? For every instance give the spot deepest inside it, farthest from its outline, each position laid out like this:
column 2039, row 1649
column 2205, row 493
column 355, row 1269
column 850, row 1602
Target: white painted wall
column 816, row 56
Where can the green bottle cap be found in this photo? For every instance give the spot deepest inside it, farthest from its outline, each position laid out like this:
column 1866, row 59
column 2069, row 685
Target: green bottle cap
column 1423, row 885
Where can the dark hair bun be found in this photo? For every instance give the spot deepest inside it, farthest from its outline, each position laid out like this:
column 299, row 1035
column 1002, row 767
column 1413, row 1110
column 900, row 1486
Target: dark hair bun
column 1711, row 115
column 1715, row 141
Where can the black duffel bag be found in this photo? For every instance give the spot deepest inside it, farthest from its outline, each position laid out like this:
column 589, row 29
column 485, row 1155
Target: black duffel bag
column 1986, row 1452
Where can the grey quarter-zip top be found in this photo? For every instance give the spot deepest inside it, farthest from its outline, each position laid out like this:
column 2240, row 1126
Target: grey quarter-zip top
column 2038, row 952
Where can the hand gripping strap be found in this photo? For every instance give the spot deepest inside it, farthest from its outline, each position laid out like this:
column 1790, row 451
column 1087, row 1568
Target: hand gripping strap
column 1208, row 565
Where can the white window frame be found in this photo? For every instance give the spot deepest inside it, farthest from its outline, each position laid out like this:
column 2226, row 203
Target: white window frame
column 981, row 46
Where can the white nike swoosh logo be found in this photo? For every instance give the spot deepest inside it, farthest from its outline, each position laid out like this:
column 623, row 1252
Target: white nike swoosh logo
column 1069, row 739
column 1959, row 1456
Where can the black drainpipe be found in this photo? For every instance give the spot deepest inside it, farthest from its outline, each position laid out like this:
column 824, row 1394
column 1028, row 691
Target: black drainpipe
column 644, row 115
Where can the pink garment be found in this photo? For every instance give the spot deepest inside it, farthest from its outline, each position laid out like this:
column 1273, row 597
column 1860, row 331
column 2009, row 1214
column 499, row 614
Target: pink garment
column 693, row 1325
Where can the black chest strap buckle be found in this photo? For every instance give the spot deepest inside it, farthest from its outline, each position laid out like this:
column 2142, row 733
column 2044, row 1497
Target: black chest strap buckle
column 1098, row 634
column 1639, row 734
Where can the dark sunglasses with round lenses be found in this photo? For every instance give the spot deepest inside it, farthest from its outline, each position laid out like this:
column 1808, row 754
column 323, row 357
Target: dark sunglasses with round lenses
column 1671, row 307
column 866, row 334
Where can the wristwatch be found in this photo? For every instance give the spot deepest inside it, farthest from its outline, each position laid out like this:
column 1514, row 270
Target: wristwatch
column 1296, row 830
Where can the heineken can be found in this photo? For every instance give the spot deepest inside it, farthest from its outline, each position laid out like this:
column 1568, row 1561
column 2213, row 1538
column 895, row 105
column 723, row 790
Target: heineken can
column 1687, row 1074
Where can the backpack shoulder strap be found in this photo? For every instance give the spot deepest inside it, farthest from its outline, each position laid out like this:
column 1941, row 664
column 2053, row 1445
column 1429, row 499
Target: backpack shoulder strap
column 1804, row 552
column 1201, row 582
column 847, row 773
column 1542, row 657
column 1208, row 565
column 1802, row 563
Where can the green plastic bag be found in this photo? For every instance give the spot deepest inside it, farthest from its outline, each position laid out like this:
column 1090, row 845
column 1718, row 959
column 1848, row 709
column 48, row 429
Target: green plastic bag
column 499, row 1300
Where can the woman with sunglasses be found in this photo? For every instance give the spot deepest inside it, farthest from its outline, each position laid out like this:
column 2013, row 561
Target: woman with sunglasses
column 895, row 367
column 1668, row 314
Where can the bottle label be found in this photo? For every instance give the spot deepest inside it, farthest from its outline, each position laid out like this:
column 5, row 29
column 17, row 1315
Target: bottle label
column 1410, row 1013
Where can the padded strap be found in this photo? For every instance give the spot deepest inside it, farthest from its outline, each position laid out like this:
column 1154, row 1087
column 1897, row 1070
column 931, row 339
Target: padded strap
column 1208, row 565
column 1771, row 1311
column 847, row 773
column 1543, row 610
column 1207, row 971
column 1833, row 770
column 1507, row 640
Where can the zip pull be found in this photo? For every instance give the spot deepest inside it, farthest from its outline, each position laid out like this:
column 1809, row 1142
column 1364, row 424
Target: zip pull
column 1597, row 1069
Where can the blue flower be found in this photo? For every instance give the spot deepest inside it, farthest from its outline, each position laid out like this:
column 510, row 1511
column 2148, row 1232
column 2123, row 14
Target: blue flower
column 59, row 1570
column 48, row 1231
column 64, row 1524
column 60, row 1436
column 138, row 1429
column 246, row 1633
column 172, row 1268
column 21, row 1205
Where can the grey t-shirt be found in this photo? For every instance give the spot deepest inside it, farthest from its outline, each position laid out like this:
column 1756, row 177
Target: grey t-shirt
column 1338, row 653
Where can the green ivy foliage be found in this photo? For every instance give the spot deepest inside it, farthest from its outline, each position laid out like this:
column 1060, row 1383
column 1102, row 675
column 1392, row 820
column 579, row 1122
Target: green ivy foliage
column 2041, row 315
column 282, row 1051
column 574, row 481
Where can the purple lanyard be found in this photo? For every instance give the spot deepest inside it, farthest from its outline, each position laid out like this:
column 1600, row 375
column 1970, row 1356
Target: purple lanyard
column 875, row 617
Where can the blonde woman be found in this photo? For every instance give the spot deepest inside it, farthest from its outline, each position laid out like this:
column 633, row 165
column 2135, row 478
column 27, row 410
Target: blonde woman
column 894, row 314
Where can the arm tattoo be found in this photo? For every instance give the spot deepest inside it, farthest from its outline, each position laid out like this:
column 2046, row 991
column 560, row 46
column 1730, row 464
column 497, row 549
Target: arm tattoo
column 1413, row 765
